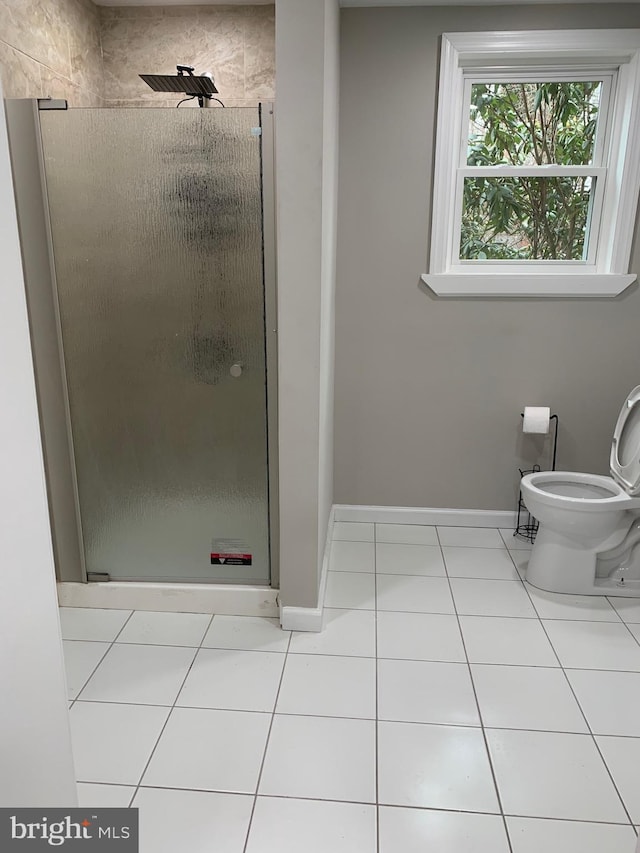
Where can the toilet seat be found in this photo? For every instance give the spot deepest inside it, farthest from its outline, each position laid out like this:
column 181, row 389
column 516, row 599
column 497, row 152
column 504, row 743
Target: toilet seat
column 625, row 447
column 573, row 490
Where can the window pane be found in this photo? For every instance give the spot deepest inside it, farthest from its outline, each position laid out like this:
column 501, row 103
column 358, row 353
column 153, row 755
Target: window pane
column 533, row 123
column 526, row 218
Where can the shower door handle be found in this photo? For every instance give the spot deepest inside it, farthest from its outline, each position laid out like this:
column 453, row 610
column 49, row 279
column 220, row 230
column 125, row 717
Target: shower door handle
column 236, row 369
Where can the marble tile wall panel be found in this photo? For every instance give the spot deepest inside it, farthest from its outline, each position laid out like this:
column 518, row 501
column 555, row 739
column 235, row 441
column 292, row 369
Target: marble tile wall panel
column 85, row 49
column 51, row 48
column 55, row 48
column 19, row 73
column 39, row 29
column 235, row 43
column 260, row 53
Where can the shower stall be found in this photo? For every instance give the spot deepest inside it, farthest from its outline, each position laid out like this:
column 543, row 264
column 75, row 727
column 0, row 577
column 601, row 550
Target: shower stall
column 148, row 250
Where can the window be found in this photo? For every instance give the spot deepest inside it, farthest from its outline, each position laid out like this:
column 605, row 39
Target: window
column 537, row 163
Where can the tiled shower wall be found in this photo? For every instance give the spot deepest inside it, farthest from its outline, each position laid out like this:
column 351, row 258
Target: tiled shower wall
column 92, row 55
column 51, row 48
column 235, row 43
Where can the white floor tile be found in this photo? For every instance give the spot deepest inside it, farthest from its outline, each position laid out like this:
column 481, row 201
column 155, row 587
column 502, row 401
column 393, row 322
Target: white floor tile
column 488, row 563
column 622, row 757
column 556, row 605
column 344, row 632
column 610, row 700
column 320, row 758
column 409, row 534
column 91, row 623
column 80, row 660
column 553, row 775
column 352, row 557
column 635, row 630
column 438, row 767
column 93, row 795
column 233, row 680
column 414, row 594
column 594, row 645
column 627, row 608
column 471, row 537
column 329, row 686
column 491, row 598
column 193, row 821
column 521, row 697
column 210, row 750
column 515, row 543
column 521, row 561
column 322, row 750
column 353, row 531
column 493, row 639
column 289, row 826
column 422, row 830
column 426, row 692
column 401, row 559
column 419, row 636
column 248, row 633
column 531, row 835
column 351, row 590
column 165, row 629
column 150, row 675
column 112, row 743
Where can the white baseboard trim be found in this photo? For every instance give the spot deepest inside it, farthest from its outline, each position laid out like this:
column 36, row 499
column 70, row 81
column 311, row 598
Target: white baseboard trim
column 228, row 600
column 310, row 618
column 425, row 515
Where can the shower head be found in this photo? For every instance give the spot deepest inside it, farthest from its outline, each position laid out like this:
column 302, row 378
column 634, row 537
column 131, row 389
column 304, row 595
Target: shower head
column 187, row 84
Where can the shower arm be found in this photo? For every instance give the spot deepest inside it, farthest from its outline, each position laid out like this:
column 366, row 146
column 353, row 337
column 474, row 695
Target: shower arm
column 201, row 98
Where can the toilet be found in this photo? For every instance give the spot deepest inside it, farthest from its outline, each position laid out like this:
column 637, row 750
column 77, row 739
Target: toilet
column 588, row 541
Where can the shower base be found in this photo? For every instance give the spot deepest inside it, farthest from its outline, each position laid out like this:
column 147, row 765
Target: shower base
column 224, row 599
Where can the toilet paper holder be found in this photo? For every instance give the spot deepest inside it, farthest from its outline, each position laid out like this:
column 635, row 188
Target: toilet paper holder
column 554, row 446
column 526, row 524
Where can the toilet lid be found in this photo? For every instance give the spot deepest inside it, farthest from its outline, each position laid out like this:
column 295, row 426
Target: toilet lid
column 625, row 447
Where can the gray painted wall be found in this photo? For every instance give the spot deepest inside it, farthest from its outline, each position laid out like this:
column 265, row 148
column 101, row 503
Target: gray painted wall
column 429, row 391
column 307, row 34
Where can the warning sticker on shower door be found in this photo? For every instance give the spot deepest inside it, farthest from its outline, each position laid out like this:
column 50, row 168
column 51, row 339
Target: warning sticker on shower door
column 230, row 552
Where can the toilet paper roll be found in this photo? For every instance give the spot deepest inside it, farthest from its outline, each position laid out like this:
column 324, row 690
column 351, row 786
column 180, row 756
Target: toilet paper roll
column 536, row 419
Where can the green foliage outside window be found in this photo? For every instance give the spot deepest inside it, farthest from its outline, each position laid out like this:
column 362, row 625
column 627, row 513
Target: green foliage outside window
column 529, row 124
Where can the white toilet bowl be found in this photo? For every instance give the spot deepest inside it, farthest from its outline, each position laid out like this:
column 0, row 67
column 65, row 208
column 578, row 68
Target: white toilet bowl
column 588, row 541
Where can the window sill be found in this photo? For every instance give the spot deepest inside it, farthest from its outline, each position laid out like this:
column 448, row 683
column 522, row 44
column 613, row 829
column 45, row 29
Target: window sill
column 540, row 285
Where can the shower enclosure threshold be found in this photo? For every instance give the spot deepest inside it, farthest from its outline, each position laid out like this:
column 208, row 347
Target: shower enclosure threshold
column 221, row 599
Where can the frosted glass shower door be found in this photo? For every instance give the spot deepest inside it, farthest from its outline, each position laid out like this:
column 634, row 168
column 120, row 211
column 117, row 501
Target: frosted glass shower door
column 156, row 219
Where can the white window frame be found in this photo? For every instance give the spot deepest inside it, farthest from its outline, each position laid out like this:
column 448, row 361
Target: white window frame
column 546, row 54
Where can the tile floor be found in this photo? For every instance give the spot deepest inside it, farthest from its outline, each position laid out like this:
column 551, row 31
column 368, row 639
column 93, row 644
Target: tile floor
column 446, row 707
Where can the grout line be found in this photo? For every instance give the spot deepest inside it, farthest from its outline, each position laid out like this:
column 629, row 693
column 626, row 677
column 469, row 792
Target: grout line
column 626, row 625
column 363, row 803
column 438, row 723
column 475, row 696
column 365, row 610
column 144, row 770
column 111, row 644
column 266, row 745
column 156, row 645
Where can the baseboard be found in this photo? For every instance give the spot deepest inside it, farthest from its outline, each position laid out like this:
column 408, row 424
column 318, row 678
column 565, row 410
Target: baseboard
column 228, row 600
column 425, row 515
column 310, row 618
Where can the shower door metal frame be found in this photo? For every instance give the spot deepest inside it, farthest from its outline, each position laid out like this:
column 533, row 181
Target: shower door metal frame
column 27, row 161
column 27, row 157
column 270, row 279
